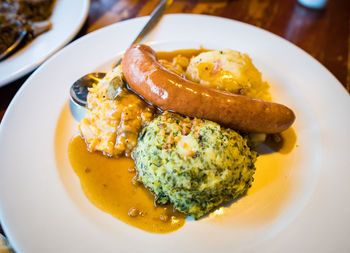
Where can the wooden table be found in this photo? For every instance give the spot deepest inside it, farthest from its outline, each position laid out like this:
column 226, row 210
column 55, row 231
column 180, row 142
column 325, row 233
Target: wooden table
column 324, row 34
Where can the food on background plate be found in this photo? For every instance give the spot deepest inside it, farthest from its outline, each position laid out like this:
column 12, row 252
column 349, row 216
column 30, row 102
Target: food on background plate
column 29, row 15
column 201, row 154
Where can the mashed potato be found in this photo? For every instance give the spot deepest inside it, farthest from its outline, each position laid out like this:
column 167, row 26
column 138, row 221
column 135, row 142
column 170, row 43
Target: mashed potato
column 228, row 70
column 195, row 164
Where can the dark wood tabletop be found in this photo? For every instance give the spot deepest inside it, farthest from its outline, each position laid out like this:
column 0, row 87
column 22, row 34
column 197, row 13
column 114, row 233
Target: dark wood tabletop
column 324, row 33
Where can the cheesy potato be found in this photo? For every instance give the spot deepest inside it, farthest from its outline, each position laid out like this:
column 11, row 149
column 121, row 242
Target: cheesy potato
column 178, row 65
column 112, row 125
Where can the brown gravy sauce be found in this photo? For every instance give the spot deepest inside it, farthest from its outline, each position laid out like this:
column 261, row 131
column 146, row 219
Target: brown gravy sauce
column 184, row 52
column 109, row 182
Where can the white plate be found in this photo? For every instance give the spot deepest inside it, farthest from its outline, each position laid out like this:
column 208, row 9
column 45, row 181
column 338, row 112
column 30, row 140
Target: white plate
column 67, row 19
column 42, row 205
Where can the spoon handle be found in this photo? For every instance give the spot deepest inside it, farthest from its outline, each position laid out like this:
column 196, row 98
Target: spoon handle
column 151, row 23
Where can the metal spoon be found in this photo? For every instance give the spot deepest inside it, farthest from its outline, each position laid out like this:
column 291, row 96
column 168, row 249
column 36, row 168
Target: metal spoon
column 79, row 89
column 14, row 46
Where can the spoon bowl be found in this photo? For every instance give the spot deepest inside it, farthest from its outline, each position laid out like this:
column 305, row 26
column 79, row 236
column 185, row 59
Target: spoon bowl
column 79, row 89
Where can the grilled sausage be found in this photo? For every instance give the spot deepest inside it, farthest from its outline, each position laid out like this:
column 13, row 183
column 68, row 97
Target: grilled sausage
column 168, row 91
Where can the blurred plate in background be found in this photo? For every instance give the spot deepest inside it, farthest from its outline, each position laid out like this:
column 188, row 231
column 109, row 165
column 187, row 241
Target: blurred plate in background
column 67, row 19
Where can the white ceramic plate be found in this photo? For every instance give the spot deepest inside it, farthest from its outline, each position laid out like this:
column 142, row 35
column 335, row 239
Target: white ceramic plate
column 67, row 19
column 303, row 209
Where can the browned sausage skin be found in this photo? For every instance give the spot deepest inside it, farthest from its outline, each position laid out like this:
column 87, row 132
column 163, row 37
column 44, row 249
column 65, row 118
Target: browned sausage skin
column 169, row 91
